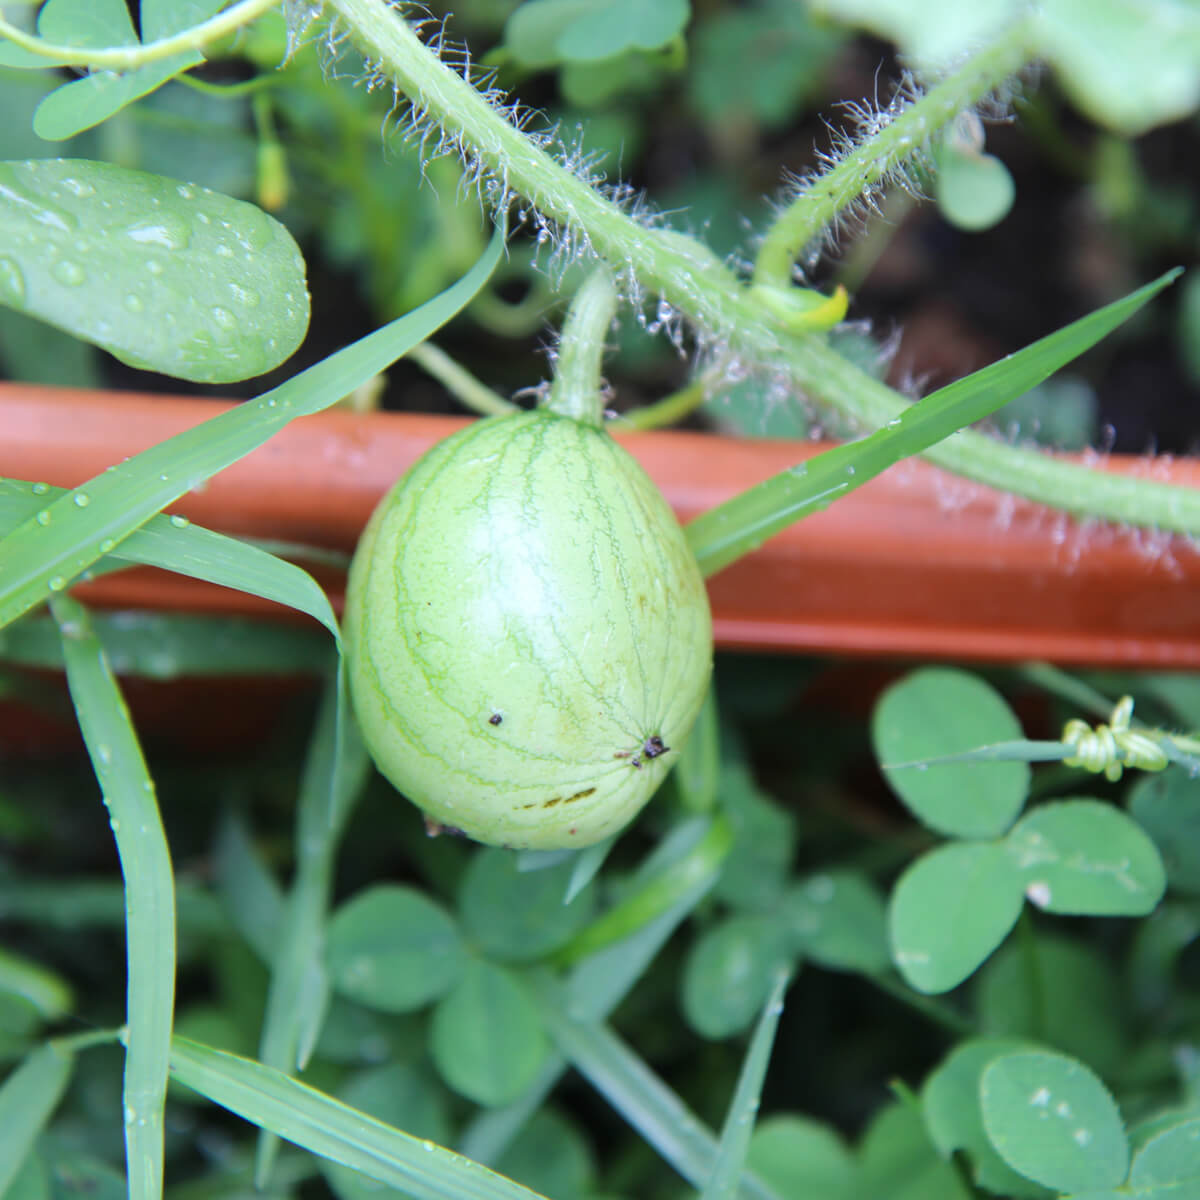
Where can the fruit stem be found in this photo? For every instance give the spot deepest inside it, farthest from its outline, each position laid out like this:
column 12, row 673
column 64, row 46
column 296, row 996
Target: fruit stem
column 576, row 391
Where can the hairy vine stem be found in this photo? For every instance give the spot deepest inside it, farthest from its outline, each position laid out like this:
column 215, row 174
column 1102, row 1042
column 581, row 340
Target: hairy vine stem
column 892, row 136
column 691, row 279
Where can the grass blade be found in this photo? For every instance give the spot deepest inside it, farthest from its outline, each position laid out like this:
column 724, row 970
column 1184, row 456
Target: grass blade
column 299, row 991
column 739, row 1124
column 597, row 985
column 657, row 1113
column 149, row 891
column 726, row 532
column 175, row 545
column 27, row 1100
column 335, row 1131
column 43, row 554
column 170, row 645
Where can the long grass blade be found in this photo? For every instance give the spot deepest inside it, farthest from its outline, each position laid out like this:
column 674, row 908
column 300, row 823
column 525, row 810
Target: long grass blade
column 299, row 991
column 27, row 1100
column 656, row 1112
column 170, row 645
column 335, row 1131
column 726, row 532
column 723, row 1183
column 602, row 980
column 44, row 553
column 149, row 891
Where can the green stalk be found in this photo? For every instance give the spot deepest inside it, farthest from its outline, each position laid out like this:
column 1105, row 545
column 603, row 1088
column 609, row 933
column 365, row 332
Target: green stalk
column 868, row 167
column 690, row 278
column 576, row 391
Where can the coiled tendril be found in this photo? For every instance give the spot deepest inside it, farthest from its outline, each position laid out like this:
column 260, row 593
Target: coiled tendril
column 1113, row 747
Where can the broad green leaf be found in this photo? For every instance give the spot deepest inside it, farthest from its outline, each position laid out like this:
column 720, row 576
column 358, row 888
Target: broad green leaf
column 1167, row 806
column 1167, row 1167
column 162, row 274
column 730, row 971
column 551, row 1156
column 42, row 555
column 838, row 919
column 1086, row 858
column 1052, row 1120
column 1154, row 957
column 84, row 103
column 28, row 1098
column 1128, row 64
column 92, row 23
column 724, row 533
column 400, row 1095
column 161, row 18
column 898, row 1162
column 487, row 1040
column 942, row 711
column 801, row 1157
column 544, row 33
column 950, row 910
column 519, row 916
column 723, row 1182
column 791, row 52
column 764, row 842
column 333, row 1130
column 1061, row 993
column 394, row 949
column 973, row 191
column 950, row 1101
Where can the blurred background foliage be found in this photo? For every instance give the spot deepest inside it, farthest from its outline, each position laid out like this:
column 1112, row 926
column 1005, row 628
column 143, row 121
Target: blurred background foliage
column 1035, row 217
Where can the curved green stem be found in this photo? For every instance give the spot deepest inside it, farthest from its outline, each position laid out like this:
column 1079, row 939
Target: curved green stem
column 575, row 392
column 458, row 381
column 127, row 58
column 667, row 411
column 870, row 164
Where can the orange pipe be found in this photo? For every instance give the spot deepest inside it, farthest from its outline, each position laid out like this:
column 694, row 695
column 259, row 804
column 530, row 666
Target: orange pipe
column 915, row 563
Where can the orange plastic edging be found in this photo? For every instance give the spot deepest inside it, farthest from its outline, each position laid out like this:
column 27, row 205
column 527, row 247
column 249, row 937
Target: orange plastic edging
column 915, row 562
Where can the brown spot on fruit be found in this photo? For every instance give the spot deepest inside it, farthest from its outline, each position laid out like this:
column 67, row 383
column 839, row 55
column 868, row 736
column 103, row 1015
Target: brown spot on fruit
column 653, row 746
column 495, row 719
column 579, row 795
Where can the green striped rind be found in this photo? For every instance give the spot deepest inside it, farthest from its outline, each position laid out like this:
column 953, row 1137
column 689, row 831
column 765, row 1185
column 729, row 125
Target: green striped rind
column 526, row 569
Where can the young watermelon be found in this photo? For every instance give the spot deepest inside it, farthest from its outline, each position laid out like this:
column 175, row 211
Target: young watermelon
column 528, row 634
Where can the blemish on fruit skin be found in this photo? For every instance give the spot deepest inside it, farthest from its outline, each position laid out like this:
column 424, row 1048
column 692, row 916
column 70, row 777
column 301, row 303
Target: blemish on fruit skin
column 495, row 719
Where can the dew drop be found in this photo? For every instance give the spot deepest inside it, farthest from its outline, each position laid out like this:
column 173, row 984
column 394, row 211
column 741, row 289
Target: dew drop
column 180, row 522
column 82, row 499
column 185, row 193
column 12, row 284
column 107, row 545
column 57, row 583
column 79, row 188
column 154, row 266
column 68, row 273
column 223, row 317
column 246, row 297
column 165, row 230
column 103, row 753
column 43, row 518
column 40, row 489
column 133, row 302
